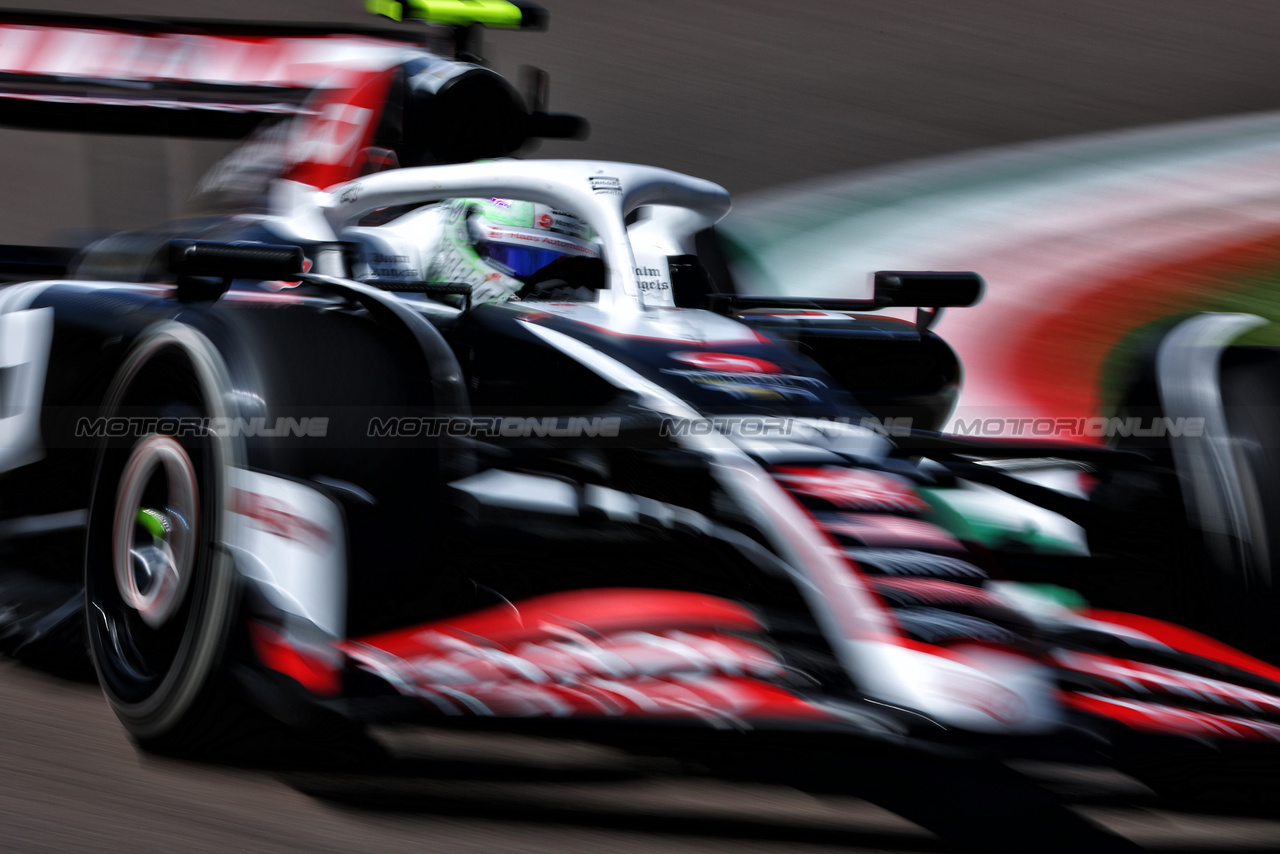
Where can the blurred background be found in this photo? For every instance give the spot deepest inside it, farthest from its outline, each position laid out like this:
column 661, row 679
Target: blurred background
column 749, row 93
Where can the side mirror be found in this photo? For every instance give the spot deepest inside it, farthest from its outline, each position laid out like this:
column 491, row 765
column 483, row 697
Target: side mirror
column 205, row 268
column 927, row 289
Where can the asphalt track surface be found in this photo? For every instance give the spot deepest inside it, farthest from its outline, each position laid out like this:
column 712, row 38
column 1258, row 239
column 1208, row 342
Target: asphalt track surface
column 753, row 95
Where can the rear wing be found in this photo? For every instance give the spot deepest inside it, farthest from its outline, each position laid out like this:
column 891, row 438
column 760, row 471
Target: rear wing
column 175, row 77
column 172, row 78
column 363, row 98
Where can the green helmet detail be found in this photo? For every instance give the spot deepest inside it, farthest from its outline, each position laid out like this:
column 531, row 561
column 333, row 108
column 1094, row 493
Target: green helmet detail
column 495, row 245
column 514, row 213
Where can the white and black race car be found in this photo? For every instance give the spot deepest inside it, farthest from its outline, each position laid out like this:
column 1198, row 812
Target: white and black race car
column 660, row 515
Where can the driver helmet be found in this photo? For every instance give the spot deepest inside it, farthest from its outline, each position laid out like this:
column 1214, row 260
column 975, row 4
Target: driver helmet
column 499, row 245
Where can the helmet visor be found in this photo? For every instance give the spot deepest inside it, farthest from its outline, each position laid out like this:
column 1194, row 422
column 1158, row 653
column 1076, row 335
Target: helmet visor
column 522, row 261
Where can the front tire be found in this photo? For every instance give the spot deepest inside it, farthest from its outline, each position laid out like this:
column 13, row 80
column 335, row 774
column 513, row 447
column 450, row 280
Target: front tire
column 159, row 587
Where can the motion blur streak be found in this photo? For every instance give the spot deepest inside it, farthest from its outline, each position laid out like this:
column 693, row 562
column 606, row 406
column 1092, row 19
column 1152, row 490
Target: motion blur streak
column 1062, row 231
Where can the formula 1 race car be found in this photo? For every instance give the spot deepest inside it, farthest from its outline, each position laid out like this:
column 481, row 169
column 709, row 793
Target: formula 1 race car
column 630, row 506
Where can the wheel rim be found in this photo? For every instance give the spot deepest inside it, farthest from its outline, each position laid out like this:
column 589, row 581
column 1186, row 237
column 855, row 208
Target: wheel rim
column 140, row 605
column 153, row 535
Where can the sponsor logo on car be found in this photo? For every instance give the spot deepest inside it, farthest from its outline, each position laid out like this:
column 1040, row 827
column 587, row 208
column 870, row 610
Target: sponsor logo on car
column 651, row 279
column 982, row 694
column 755, row 386
column 278, row 518
column 603, row 184
column 724, row 362
column 351, row 194
column 851, row 489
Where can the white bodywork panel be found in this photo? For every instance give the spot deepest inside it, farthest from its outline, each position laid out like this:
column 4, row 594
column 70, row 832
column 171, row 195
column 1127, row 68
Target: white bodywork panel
column 291, row 539
column 25, row 338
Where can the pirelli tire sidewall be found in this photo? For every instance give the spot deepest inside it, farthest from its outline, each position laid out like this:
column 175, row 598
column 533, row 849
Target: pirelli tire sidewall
column 160, row 680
